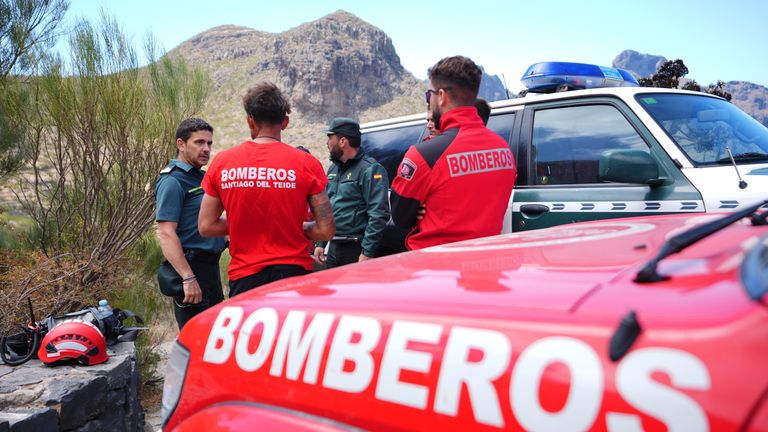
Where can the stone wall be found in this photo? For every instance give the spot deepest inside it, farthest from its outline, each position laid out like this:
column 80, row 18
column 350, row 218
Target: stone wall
column 105, row 397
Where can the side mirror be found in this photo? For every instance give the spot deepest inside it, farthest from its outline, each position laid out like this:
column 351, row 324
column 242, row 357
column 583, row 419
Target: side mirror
column 628, row 166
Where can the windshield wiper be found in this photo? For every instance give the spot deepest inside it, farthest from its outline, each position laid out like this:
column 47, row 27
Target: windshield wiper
column 687, row 238
column 745, row 157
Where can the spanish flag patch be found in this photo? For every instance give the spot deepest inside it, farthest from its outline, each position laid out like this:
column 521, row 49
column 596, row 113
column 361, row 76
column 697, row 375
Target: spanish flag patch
column 377, row 176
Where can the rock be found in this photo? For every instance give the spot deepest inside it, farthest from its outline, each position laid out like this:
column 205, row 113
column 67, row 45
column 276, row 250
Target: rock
column 338, row 65
column 641, row 65
column 73, row 397
column 30, row 420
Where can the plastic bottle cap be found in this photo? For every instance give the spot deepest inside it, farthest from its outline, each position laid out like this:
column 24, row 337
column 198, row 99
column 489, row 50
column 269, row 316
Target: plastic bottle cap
column 103, row 302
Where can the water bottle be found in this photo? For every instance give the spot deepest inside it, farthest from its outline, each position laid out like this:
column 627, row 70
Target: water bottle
column 109, row 324
column 104, row 308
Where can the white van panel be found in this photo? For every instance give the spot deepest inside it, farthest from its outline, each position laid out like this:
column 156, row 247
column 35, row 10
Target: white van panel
column 719, row 186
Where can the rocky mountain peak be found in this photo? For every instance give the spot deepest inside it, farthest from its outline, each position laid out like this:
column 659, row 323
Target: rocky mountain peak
column 337, row 65
column 642, row 65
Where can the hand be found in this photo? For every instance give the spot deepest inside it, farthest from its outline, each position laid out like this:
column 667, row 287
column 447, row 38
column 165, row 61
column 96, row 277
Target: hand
column 363, row 258
column 192, row 292
column 319, row 255
column 421, row 212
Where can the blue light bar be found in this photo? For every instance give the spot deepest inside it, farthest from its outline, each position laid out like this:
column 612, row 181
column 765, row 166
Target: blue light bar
column 548, row 77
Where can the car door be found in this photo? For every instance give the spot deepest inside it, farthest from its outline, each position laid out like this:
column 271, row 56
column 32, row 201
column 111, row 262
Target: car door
column 565, row 144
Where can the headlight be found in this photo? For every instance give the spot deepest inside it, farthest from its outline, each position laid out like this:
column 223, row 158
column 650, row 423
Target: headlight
column 178, row 360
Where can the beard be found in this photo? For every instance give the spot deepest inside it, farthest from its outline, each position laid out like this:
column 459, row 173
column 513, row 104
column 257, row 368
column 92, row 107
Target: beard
column 197, row 160
column 436, row 119
column 336, row 153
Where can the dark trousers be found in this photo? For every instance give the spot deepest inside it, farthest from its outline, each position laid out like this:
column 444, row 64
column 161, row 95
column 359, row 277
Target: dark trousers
column 342, row 253
column 207, row 274
column 266, row 275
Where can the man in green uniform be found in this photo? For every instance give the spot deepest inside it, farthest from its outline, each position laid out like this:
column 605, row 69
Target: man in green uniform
column 357, row 188
column 178, row 193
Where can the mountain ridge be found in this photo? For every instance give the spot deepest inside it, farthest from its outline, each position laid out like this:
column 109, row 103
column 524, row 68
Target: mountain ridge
column 749, row 97
column 337, row 65
column 340, row 65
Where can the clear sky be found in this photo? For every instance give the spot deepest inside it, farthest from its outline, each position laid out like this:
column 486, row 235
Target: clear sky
column 718, row 40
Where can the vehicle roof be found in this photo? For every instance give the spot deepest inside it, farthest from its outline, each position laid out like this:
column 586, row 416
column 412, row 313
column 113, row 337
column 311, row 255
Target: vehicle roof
column 577, row 268
column 496, row 106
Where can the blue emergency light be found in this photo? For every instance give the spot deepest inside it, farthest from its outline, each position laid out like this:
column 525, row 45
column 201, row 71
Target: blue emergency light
column 548, row 77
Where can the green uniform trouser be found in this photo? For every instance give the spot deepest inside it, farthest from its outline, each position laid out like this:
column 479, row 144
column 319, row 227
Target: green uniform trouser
column 205, row 266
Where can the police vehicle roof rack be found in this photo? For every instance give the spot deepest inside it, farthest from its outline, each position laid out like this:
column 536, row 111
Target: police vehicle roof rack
column 551, row 77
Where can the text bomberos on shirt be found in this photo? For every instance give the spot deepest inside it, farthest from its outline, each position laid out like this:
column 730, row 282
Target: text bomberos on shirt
column 263, row 177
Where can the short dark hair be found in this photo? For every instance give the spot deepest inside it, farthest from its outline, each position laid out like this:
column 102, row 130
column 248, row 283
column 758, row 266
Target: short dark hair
column 354, row 141
column 483, row 109
column 192, row 124
column 458, row 75
column 265, row 103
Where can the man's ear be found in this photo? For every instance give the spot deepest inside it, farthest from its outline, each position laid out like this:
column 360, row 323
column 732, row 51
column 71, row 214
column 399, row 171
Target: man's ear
column 444, row 99
column 179, row 144
column 286, row 120
column 252, row 127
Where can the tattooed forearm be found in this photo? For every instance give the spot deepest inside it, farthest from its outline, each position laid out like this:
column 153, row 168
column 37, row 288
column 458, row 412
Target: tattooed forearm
column 323, row 228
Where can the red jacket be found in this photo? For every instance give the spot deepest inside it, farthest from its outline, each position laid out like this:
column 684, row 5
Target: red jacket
column 464, row 177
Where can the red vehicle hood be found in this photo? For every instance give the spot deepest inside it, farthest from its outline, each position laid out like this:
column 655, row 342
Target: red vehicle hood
column 414, row 320
column 587, row 268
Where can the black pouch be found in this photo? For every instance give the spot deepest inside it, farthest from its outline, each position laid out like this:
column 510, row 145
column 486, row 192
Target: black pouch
column 170, row 282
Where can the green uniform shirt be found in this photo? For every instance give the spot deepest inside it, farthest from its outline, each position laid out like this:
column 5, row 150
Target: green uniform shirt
column 179, row 195
column 358, row 192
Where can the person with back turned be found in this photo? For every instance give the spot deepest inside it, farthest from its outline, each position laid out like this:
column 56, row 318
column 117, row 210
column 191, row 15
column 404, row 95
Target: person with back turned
column 455, row 186
column 265, row 185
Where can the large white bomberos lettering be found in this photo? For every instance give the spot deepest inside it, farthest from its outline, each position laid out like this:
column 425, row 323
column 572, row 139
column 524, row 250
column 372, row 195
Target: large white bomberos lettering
column 676, row 410
column 301, row 348
column 343, row 349
column 478, row 376
column 251, row 361
column 222, row 336
column 300, row 341
column 397, row 357
column 586, row 391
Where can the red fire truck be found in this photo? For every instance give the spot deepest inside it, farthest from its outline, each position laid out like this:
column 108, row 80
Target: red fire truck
column 649, row 323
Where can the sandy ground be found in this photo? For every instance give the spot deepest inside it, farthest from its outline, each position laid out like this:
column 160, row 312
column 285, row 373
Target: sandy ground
column 152, row 419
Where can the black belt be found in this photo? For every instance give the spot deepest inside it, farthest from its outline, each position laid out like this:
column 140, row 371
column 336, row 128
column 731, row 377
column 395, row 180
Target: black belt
column 199, row 255
column 346, row 239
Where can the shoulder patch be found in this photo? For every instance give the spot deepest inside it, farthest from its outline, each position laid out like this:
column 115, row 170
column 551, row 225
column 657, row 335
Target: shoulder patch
column 166, row 170
column 433, row 149
column 407, row 169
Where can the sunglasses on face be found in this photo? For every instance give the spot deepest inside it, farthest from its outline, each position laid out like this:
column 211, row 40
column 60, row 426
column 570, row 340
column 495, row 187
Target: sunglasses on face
column 428, row 94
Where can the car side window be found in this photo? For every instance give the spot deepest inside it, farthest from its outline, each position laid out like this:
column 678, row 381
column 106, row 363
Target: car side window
column 568, row 142
column 388, row 146
column 502, row 124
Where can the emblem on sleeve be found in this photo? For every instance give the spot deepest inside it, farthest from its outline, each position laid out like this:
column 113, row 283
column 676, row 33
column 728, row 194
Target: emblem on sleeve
column 407, row 169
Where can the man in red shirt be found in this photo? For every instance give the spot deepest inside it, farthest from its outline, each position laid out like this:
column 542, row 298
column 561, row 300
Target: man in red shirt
column 265, row 185
column 464, row 176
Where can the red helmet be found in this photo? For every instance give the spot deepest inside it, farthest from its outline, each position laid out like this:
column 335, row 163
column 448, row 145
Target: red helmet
column 78, row 340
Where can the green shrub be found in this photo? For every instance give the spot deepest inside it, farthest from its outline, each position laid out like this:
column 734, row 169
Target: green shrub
column 148, row 251
column 16, row 232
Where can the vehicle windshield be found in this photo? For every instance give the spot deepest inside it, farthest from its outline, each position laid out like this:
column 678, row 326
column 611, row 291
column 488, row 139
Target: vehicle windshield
column 705, row 128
